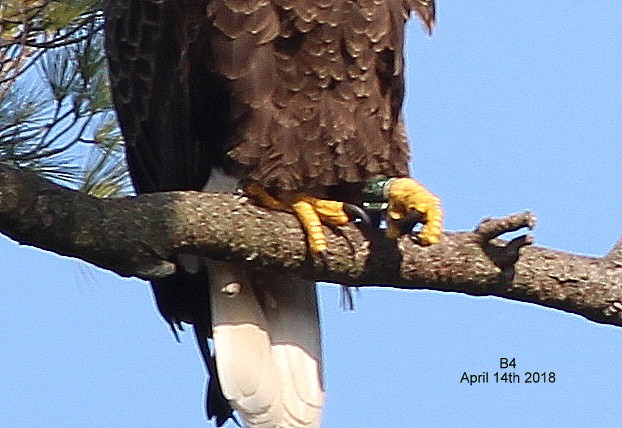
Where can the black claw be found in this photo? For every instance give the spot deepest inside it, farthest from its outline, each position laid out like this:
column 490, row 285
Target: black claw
column 355, row 212
column 409, row 221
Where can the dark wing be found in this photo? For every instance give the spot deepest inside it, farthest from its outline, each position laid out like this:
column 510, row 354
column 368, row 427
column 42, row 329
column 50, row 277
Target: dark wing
column 163, row 110
column 162, row 107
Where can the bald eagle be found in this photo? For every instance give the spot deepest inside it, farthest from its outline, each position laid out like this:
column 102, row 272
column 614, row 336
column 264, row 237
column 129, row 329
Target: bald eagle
column 299, row 99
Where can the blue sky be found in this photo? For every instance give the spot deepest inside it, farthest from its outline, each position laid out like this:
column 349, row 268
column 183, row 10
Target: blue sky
column 510, row 106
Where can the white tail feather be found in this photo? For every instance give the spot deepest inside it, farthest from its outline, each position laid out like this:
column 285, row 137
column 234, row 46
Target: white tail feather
column 267, row 346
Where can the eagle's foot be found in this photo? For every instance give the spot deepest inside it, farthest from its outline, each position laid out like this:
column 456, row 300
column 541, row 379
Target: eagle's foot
column 410, row 203
column 312, row 212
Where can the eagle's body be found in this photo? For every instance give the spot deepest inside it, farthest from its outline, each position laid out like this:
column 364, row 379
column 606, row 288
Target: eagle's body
column 295, row 95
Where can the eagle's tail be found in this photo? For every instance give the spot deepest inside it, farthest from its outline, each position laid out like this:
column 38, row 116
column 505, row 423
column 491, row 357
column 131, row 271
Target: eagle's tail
column 267, row 345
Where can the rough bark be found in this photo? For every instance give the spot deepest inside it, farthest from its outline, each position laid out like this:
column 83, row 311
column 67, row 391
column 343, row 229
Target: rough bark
column 142, row 236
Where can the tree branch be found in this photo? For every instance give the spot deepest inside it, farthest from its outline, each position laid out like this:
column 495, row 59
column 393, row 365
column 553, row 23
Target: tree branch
column 142, row 236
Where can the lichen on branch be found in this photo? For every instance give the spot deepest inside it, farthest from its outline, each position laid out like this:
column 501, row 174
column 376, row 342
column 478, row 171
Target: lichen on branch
column 143, row 236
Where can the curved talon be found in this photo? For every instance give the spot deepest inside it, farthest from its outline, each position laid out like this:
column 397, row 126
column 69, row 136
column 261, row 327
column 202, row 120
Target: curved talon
column 355, row 212
column 312, row 212
column 410, row 220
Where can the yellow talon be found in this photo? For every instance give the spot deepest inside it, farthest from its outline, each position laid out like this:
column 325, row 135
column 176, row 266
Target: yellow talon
column 330, row 212
column 311, row 224
column 406, row 195
column 312, row 212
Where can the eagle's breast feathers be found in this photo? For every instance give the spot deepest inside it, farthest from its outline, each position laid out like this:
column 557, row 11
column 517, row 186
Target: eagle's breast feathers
column 291, row 93
column 315, row 88
column 301, row 98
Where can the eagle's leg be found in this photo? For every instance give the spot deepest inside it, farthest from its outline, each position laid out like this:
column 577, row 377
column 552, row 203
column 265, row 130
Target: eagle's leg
column 264, row 198
column 406, row 196
column 312, row 212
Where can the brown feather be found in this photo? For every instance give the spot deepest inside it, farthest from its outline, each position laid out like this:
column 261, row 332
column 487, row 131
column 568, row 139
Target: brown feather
column 298, row 95
column 326, row 52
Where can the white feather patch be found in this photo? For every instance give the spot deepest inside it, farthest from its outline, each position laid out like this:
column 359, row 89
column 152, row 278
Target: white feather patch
column 268, row 351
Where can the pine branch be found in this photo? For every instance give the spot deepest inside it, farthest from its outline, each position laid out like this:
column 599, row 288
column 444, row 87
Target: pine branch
column 142, row 236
